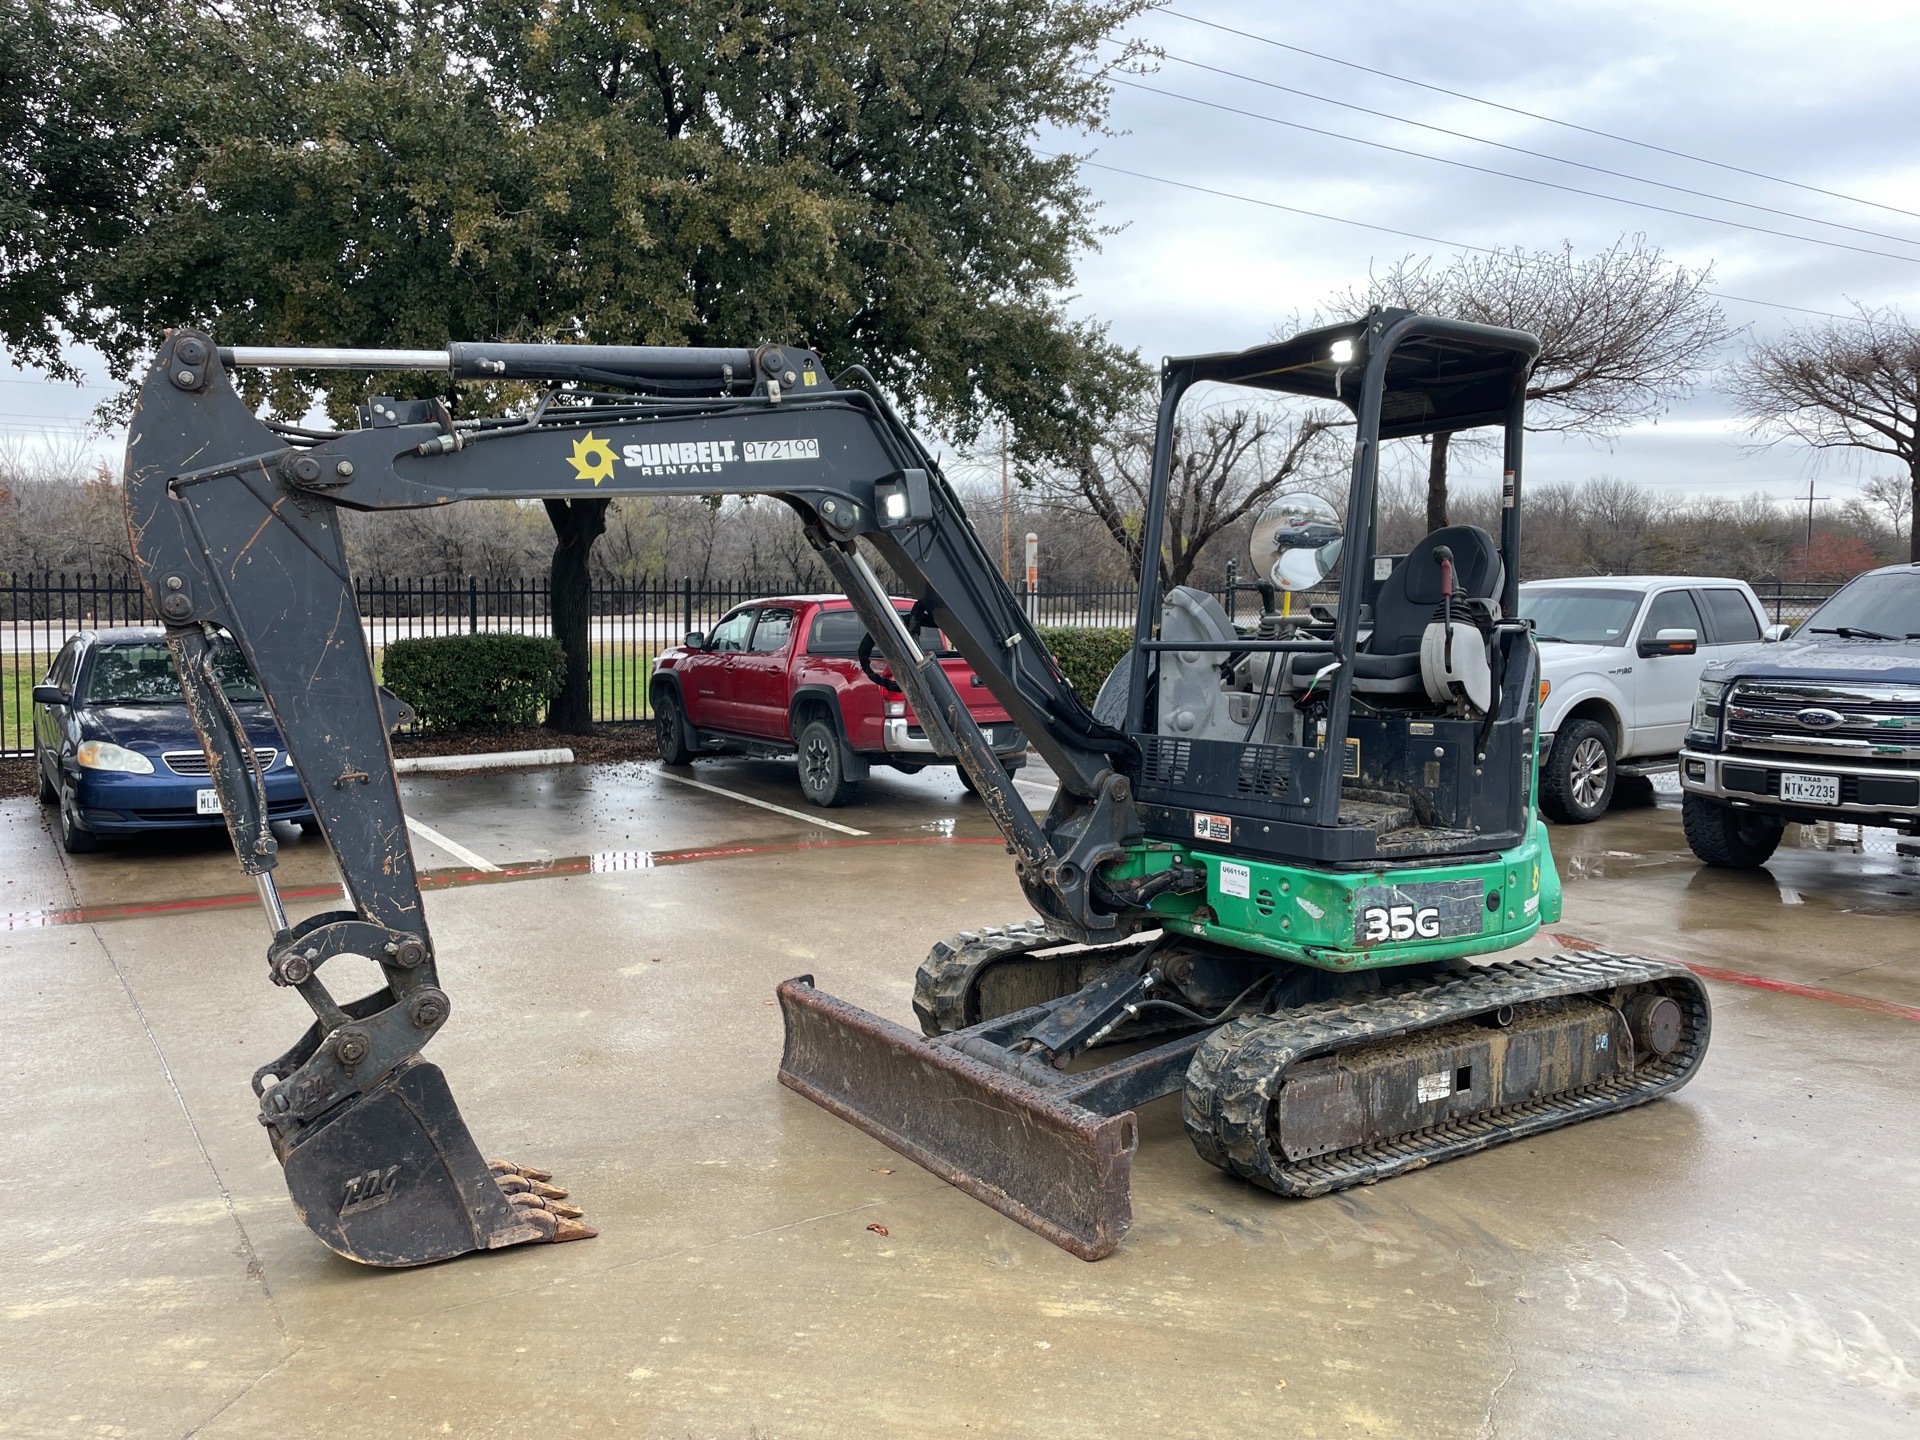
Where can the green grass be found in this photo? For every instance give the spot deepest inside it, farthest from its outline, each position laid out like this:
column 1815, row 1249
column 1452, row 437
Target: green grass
column 18, row 675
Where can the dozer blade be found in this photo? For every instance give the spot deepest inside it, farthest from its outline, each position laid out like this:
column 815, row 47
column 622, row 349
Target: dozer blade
column 1060, row 1170
column 393, row 1178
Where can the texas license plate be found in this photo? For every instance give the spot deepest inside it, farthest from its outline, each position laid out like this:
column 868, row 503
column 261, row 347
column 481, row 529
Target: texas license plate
column 206, row 802
column 1810, row 789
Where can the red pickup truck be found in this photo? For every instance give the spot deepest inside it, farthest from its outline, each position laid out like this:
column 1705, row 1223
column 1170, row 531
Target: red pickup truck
column 782, row 676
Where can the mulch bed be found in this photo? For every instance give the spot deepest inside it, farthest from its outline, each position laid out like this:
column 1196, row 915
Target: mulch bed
column 607, row 745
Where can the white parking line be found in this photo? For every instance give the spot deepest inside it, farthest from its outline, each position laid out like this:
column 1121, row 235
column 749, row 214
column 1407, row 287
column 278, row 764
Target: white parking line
column 763, row 804
column 1036, row 793
column 458, row 851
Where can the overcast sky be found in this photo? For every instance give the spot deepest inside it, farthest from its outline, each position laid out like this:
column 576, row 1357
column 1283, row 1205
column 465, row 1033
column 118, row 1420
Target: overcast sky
column 1819, row 94
column 1822, row 94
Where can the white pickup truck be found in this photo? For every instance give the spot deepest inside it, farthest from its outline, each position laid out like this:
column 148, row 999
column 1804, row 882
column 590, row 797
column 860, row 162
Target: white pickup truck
column 1620, row 658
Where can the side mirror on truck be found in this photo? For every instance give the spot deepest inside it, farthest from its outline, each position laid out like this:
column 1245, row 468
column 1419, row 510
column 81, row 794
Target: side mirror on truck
column 1670, row 642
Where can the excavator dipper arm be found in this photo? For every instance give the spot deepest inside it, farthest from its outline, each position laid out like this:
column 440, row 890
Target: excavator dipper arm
column 235, row 527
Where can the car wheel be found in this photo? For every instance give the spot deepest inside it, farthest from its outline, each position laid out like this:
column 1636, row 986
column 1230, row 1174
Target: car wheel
column 73, row 839
column 671, row 725
column 49, row 792
column 823, row 777
column 1730, row 839
column 1576, row 782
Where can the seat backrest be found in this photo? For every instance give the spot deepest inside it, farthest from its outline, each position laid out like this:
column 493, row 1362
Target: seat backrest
column 1409, row 598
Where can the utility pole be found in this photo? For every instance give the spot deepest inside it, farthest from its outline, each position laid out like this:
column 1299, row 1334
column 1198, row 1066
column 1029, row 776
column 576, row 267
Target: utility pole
column 1806, row 555
column 1033, row 577
column 1006, row 507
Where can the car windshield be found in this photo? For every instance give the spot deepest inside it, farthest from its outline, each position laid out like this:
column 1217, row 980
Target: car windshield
column 144, row 675
column 1580, row 617
column 1886, row 605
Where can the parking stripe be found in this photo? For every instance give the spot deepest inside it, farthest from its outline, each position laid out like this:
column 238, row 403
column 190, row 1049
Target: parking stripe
column 458, row 851
column 763, row 804
column 1843, row 998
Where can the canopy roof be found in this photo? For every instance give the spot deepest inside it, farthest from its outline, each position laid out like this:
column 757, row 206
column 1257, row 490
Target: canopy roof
column 1442, row 374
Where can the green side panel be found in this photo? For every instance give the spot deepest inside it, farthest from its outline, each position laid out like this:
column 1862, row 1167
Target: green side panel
column 1366, row 919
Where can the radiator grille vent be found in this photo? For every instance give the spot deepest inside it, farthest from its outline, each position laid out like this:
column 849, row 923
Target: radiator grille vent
column 1167, row 761
column 1264, row 771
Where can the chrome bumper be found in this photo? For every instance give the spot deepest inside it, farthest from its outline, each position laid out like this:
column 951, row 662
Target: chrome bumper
column 1864, row 790
column 1005, row 739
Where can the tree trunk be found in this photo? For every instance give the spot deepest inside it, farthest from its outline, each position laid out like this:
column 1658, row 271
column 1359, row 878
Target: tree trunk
column 1437, row 481
column 576, row 525
column 1913, row 514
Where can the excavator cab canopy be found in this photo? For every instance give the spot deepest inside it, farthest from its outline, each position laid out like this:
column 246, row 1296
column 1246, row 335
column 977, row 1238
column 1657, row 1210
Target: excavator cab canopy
column 1441, row 376
column 1331, row 739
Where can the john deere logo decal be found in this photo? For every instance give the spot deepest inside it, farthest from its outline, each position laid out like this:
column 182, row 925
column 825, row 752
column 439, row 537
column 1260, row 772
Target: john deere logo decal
column 592, row 459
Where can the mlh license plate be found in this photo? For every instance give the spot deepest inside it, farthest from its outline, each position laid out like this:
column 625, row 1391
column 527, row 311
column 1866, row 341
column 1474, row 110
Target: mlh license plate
column 206, row 802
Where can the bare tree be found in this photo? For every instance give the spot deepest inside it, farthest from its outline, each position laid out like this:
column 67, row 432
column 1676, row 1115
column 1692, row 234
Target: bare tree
column 1841, row 385
column 1884, row 501
column 1226, row 463
column 1621, row 332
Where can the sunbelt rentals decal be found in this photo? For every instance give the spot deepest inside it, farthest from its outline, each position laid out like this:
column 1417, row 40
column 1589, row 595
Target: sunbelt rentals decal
column 593, row 458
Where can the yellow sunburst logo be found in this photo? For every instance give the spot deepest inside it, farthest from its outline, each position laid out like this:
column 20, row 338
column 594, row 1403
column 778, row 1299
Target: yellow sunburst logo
column 592, row 459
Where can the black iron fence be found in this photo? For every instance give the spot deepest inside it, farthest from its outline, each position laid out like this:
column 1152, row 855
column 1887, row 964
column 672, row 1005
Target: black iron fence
column 632, row 622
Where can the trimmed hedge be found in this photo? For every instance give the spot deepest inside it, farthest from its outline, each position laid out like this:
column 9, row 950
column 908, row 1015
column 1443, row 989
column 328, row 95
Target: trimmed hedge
column 475, row 682
column 1086, row 657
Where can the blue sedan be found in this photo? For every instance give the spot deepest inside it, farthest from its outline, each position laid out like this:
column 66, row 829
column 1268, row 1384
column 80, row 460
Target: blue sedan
column 116, row 751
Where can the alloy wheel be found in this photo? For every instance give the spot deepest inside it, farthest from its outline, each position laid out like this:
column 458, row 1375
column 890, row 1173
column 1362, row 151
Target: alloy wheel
column 1587, row 772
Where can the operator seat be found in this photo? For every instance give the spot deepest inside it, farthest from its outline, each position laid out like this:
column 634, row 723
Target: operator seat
column 1390, row 662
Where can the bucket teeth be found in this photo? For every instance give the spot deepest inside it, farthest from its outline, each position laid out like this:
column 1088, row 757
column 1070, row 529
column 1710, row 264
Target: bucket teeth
column 525, row 1172
column 538, row 1203
column 558, row 1228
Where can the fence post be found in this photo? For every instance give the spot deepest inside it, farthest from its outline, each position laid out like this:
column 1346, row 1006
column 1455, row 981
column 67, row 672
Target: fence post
column 1233, row 593
column 686, row 605
column 473, row 604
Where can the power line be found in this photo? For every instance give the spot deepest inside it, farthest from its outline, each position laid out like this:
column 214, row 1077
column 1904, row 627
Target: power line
column 1535, row 154
column 1404, row 234
column 1509, row 175
column 1547, row 119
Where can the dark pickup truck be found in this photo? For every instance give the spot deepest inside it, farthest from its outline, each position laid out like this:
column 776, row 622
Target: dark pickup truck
column 783, row 676
column 1824, row 726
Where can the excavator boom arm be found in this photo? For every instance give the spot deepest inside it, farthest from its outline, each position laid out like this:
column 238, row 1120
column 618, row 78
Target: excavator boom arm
column 235, row 527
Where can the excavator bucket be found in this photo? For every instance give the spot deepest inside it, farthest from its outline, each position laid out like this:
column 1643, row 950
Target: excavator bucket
column 392, row 1178
column 1060, row 1170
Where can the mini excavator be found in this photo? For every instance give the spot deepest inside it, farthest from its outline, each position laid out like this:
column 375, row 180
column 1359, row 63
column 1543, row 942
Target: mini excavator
column 1275, row 859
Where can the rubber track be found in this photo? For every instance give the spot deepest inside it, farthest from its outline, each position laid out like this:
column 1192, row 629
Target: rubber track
column 1237, row 1071
column 946, row 976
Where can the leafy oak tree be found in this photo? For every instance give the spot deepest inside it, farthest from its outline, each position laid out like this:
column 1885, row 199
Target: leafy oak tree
column 855, row 175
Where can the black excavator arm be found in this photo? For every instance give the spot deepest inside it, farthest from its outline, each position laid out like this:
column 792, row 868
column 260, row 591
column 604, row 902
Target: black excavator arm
column 235, row 527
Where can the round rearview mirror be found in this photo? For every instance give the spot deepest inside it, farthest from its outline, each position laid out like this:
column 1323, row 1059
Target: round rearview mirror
column 1297, row 541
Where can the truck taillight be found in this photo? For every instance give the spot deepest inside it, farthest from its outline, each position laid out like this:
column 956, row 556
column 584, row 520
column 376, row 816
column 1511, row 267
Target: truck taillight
column 895, row 709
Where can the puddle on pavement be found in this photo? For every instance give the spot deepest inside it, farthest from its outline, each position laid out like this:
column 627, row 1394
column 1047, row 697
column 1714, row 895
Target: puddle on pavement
column 603, row 862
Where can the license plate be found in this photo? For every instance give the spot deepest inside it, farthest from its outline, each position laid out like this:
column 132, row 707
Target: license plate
column 207, row 802
column 1810, row 789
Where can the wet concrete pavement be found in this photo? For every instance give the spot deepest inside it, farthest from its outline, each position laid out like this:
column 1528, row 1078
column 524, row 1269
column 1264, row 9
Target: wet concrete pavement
column 1740, row 1259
